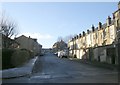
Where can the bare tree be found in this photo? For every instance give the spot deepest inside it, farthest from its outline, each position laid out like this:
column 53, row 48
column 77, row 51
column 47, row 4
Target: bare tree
column 67, row 38
column 59, row 38
column 7, row 26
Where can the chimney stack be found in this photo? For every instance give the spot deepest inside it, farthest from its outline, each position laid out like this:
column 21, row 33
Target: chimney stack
column 80, row 35
column 99, row 25
column 108, row 21
column 88, row 31
column 93, row 28
column 83, row 33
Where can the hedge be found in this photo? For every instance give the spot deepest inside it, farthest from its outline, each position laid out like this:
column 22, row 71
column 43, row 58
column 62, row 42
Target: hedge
column 6, row 58
column 19, row 57
column 13, row 58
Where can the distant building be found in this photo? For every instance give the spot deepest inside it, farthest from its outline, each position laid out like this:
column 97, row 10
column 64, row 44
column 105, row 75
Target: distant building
column 58, row 46
column 106, row 35
column 47, row 50
column 29, row 44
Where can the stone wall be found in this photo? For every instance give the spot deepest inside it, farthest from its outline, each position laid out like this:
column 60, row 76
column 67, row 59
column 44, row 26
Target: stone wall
column 105, row 54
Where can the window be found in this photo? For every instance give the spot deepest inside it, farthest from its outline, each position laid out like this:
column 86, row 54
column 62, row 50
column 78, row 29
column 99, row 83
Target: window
column 96, row 35
column 118, row 23
column 104, row 33
column 101, row 36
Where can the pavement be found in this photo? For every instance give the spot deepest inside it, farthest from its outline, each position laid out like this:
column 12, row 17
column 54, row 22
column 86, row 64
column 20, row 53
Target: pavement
column 96, row 64
column 24, row 70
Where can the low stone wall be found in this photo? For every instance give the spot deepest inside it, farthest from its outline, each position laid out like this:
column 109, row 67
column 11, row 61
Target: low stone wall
column 100, row 54
column 106, row 54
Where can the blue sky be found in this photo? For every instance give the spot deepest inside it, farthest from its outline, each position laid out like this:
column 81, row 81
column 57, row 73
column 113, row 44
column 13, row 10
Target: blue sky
column 46, row 21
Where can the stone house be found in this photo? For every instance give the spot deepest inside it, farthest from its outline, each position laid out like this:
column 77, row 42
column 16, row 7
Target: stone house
column 29, row 44
column 70, row 47
column 116, row 17
column 105, row 54
column 105, row 36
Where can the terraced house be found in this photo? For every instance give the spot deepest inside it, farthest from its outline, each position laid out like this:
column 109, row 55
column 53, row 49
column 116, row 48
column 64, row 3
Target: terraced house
column 98, row 43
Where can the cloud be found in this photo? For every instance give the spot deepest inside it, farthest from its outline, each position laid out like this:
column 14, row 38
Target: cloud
column 37, row 35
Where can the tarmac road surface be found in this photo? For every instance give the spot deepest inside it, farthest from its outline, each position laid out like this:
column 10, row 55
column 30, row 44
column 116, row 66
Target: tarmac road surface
column 51, row 69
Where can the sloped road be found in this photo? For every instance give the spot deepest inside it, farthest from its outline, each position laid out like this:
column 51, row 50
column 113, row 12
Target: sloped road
column 51, row 69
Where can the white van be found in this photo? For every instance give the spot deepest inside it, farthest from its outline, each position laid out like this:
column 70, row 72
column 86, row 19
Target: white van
column 62, row 54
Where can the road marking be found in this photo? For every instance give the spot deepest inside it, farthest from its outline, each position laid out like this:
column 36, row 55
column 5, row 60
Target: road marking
column 42, row 76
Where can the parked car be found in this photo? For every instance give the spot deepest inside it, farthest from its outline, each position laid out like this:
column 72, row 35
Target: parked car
column 62, row 54
column 56, row 53
column 42, row 53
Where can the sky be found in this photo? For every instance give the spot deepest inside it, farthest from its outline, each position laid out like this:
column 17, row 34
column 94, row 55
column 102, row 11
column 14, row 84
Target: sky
column 47, row 21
